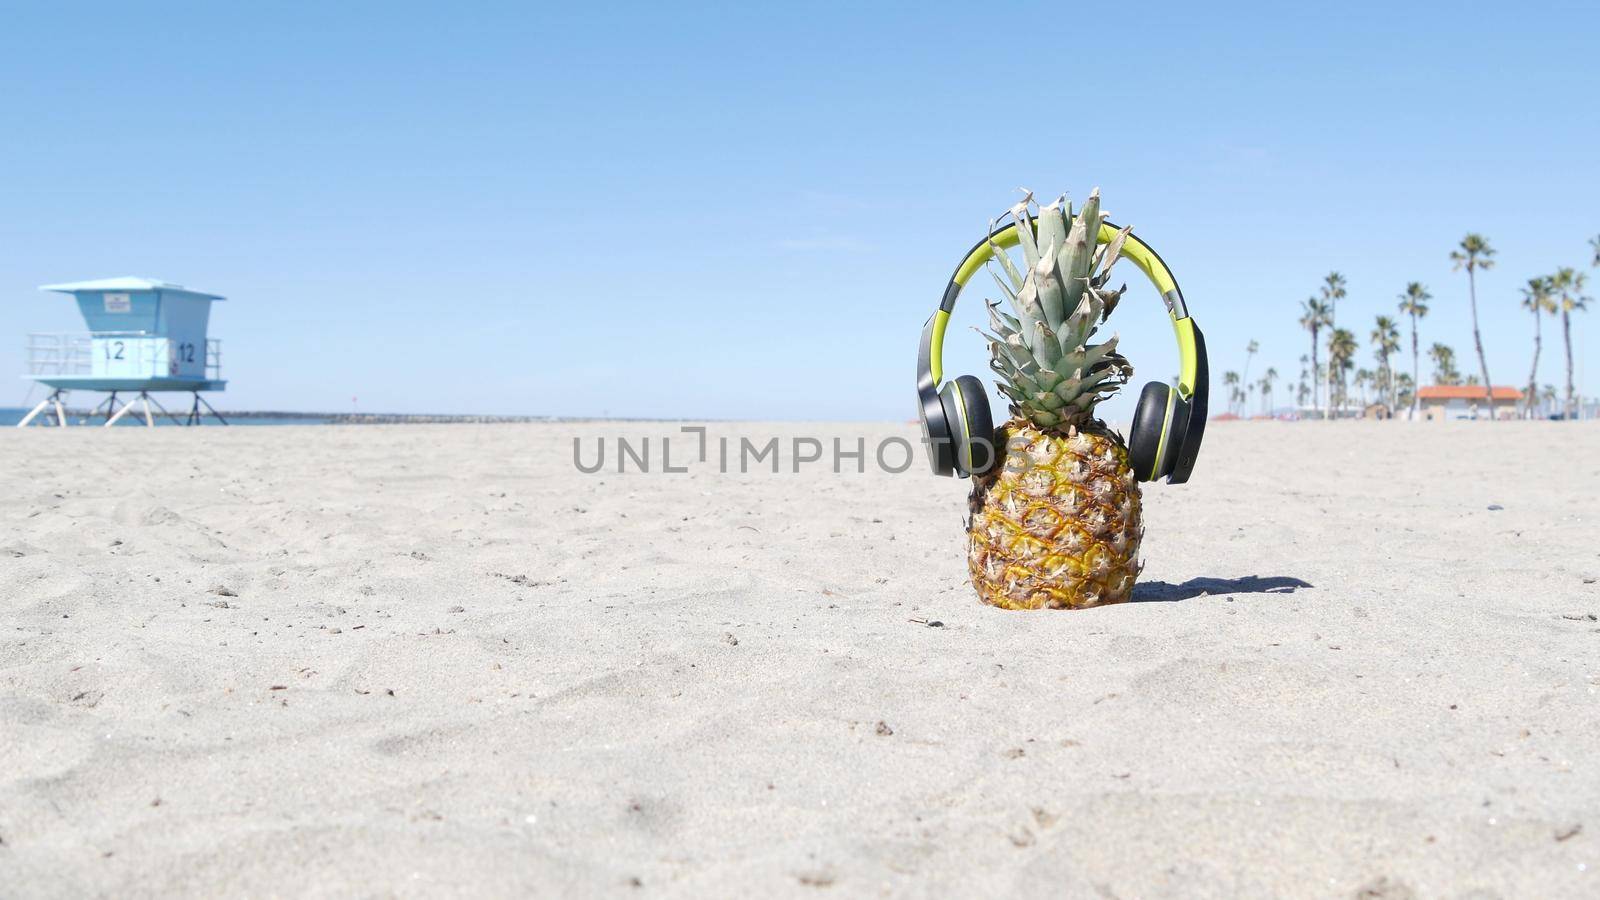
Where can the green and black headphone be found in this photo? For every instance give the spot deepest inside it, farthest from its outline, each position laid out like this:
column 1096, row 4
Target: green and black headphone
column 1167, row 425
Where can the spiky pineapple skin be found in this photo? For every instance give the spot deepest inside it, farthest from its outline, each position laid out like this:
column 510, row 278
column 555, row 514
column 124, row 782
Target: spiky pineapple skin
column 1056, row 524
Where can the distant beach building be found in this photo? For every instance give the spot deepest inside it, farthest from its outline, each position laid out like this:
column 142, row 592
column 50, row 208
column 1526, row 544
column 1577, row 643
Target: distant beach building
column 1466, row 401
column 144, row 336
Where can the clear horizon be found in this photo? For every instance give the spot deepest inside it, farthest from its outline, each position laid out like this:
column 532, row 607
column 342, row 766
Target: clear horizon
column 742, row 213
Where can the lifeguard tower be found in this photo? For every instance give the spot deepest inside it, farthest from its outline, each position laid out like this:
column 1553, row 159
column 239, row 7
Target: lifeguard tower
column 145, row 336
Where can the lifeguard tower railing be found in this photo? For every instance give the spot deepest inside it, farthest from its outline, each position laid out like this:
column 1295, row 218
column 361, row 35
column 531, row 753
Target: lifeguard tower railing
column 72, row 353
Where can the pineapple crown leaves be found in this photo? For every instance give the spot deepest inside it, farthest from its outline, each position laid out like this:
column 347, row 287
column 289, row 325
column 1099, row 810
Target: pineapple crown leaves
column 1049, row 369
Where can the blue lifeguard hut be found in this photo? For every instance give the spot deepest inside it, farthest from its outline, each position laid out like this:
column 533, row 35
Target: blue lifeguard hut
column 145, row 336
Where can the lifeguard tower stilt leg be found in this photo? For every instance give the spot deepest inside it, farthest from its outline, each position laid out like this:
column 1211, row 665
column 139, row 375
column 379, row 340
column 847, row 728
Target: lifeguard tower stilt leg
column 53, row 400
column 144, row 401
column 112, row 420
column 150, row 399
column 195, row 415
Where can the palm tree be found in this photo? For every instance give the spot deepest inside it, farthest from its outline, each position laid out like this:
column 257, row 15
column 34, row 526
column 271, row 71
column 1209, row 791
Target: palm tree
column 1474, row 254
column 1249, row 354
column 1385, row 341
column 1548, row 395
column 1333, row 290
column 1405, row 390
column 1341, row 356
column 1539, row 298
column 1567, row 284
column 1360, row 382
column 1231, row 379
column 1266, row 389
column 1414, row 303
column 1314, row 315
column 1444, row 365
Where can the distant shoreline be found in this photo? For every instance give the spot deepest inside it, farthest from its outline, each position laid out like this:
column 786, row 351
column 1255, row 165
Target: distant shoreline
column 12, row 415
column 400, row 418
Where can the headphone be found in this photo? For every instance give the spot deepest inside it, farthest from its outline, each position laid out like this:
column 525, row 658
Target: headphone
column 1168, row 423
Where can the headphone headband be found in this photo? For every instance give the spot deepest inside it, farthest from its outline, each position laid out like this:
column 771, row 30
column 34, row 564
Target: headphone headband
column 1133, row 249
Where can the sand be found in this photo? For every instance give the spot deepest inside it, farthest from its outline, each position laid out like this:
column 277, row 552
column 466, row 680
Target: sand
column 438, row 660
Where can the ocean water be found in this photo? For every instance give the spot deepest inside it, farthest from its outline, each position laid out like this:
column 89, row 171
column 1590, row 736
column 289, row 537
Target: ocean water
column 12, row 415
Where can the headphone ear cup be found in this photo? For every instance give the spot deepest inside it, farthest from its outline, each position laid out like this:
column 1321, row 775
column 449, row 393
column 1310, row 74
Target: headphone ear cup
column 956, row 425
column 979, row 453
column 1149, row 421
column 966, row 408
column 936, row 432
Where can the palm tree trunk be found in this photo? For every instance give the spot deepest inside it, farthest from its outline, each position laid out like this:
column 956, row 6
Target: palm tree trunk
column 1332, row 314
column 1533, row 373
column 1566, row 337
column 1477, row 340
column 1316, row 387
column 1416, row 372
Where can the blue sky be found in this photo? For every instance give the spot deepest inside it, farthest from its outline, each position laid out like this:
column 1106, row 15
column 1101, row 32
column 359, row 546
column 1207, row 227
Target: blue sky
column 747, row 211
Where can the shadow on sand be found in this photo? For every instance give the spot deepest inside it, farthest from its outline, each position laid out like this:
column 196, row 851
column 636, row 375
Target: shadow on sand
column 1162, row 592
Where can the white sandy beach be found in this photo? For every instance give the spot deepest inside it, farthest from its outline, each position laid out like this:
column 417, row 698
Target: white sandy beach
column 437, row 660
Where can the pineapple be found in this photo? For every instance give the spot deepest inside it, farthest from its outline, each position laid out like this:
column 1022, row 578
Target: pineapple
column 1055, row 522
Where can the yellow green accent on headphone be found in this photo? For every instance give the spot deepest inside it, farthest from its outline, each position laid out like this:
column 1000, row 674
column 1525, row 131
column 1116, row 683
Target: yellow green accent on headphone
column 1188, row 355
column 940, row 320
column 1161, row 445
column 961, row 404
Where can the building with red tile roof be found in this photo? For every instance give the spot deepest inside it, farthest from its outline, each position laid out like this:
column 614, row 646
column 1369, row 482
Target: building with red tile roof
column 1466, row 401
